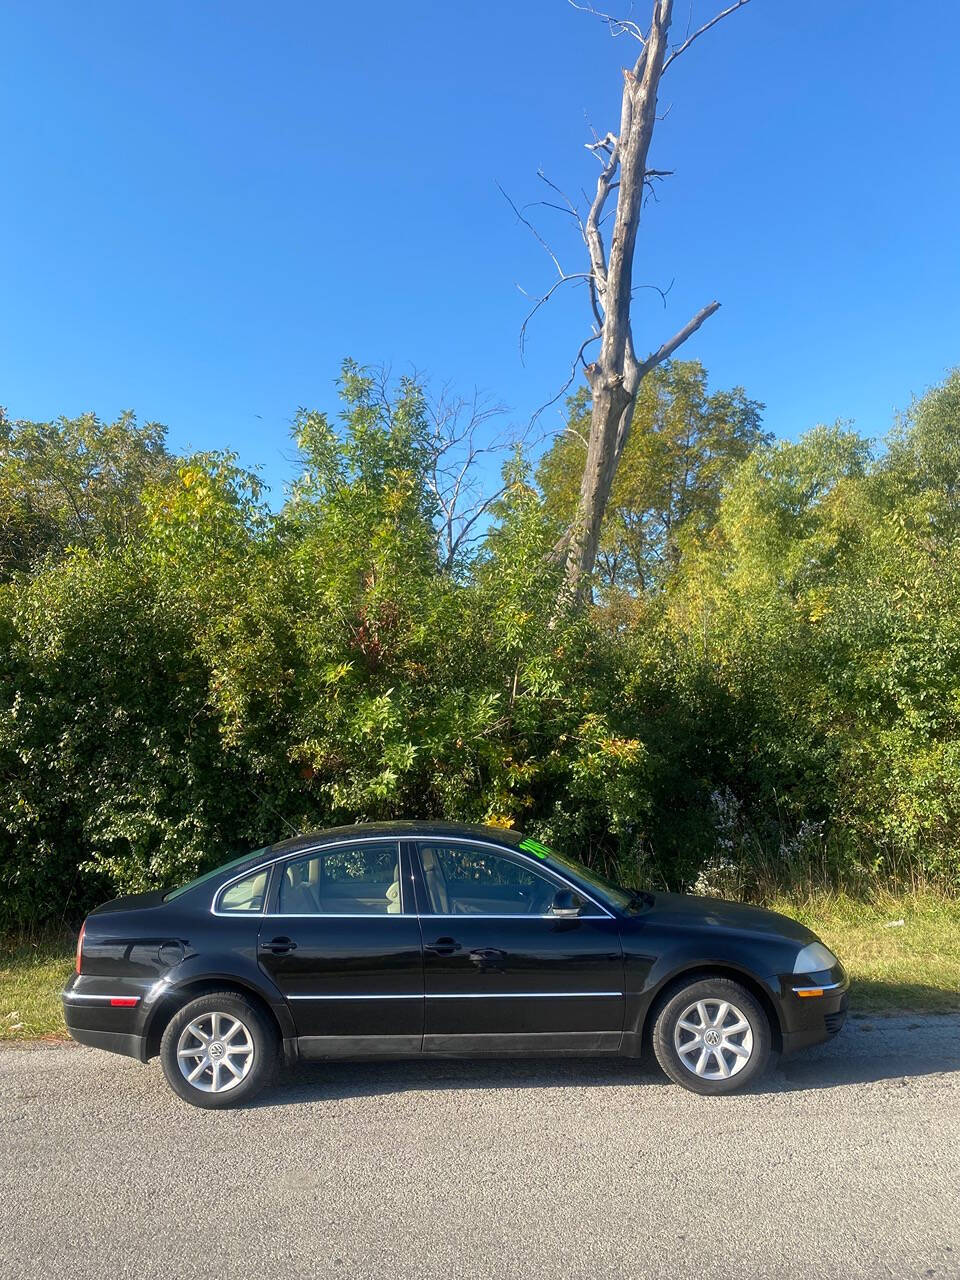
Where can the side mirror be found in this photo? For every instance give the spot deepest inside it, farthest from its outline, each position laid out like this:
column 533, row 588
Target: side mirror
column 567, row 905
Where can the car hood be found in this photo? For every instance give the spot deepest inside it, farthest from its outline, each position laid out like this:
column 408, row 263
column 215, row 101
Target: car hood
column 680, row 909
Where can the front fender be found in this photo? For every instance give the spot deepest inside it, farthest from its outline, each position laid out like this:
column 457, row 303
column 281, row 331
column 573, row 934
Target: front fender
column 654, row 976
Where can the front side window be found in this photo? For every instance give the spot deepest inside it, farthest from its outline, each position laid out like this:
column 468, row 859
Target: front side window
column 245, row 895
column 352, row 880
column 468, row 880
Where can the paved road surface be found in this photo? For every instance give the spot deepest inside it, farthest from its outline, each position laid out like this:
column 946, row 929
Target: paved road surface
column 844, row 1163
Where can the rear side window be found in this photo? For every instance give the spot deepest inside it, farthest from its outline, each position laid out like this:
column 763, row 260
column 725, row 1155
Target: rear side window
column 351, row 880
column 246, row 895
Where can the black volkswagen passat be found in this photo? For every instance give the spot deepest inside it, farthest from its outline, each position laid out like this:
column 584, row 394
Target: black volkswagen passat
column 410, row 939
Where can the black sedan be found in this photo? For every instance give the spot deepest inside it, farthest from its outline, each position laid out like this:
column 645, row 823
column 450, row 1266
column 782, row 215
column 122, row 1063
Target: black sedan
column 414, row 939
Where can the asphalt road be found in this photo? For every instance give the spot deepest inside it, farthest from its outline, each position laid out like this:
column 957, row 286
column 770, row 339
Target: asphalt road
column 844, row 1162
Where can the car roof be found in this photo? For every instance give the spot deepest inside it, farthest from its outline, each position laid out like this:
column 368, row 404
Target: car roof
column 397, row 830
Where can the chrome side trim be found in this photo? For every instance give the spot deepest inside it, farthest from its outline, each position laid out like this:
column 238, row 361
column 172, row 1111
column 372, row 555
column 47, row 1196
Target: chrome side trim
column 75, row 995
column 418, row 996
column 519, row 995
column 473, row 995
column 812, row 986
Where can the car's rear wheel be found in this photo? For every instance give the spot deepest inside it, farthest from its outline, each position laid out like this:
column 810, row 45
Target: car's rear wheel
column 218, row 1050
column 711, row 1036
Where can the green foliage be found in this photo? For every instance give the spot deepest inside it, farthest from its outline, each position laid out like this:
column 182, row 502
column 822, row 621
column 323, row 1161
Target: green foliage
column 683, row 446
column 73, row 482
column 769, row 692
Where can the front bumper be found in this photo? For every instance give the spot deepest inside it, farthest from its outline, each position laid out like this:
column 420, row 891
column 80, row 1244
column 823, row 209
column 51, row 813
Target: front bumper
column 809, row 1019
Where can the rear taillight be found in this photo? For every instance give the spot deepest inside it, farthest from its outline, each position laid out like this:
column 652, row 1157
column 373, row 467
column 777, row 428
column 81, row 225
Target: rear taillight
column 79, row 964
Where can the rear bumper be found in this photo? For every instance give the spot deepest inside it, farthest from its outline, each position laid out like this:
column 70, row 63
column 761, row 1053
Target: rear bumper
column 93, row 1017
column 124, row 1042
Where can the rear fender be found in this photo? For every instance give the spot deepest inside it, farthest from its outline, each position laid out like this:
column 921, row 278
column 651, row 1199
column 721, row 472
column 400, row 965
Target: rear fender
column 213, row 972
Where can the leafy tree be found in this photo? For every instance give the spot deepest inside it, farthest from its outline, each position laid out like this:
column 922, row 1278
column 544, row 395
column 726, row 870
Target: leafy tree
column 684, row 445
column 785, row 703
column 74, row 482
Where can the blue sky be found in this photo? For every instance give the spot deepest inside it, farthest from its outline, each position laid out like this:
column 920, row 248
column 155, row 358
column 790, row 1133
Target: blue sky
column 206, row 207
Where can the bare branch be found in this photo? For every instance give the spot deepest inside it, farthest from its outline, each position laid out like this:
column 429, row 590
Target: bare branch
column 529, row 225
column 725, row 13
column 460, row 437
column 577, row 275
column 571, row 208
column 577, row 360
column 595, row 303
column 656, row 289
column 666, row 351
column 591, row 232
column 618, row 26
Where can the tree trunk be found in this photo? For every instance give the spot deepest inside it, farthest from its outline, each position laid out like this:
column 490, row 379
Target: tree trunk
column 616, row 374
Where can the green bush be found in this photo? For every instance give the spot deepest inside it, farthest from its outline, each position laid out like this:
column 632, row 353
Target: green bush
column 203, row 674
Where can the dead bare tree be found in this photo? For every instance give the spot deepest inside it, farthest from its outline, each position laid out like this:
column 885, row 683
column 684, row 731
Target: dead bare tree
column 467, row 441
column 463, row 449
column 616, row 373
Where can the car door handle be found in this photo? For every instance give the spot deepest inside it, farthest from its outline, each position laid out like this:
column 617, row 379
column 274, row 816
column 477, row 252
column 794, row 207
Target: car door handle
column 278, row 946
column 488, row 955
column 444, row 947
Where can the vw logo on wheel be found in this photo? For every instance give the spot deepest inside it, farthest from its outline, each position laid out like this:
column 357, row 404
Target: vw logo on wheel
column 216, row 1049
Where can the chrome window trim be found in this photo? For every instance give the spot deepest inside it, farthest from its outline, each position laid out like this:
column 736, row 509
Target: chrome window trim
column 329, row 915
column 510, row 915
column 524, row 860
column 374, row 915
column 471, row 995
column 310, row 851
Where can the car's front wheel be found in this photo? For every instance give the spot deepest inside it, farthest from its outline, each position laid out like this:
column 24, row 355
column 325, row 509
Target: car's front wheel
column 218, row 1050
column 712, row 1036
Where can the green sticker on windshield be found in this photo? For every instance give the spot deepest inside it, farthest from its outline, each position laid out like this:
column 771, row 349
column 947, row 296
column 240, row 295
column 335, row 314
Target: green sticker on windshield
column 538, row 850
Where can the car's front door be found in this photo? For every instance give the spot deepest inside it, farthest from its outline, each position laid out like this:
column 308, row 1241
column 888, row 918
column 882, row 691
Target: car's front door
column 502, row 972
column 342, row 942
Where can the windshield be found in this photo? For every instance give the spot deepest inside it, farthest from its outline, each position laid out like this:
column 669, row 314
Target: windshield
column 610, row 892
column 210, row 875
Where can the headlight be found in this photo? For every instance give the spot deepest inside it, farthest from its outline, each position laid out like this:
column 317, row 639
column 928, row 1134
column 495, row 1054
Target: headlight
column 814, row 958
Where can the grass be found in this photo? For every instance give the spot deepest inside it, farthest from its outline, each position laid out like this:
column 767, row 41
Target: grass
column 902, row 952
column 894, row 967
column 32, row 975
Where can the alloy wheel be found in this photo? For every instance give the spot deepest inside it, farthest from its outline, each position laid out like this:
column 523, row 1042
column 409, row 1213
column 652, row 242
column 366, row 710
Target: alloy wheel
column 215, row 1052
column 713, row 1039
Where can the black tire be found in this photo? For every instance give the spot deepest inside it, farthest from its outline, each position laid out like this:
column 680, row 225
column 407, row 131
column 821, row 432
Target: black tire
column 257, row 1031
column 712, row 993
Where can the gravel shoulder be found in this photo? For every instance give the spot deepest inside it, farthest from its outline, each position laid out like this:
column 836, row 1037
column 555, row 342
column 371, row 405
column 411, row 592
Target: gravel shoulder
column 843, row 1162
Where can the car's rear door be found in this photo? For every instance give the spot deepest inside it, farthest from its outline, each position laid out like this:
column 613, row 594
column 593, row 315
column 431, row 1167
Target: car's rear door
column 502, row 974
column 342, row 942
